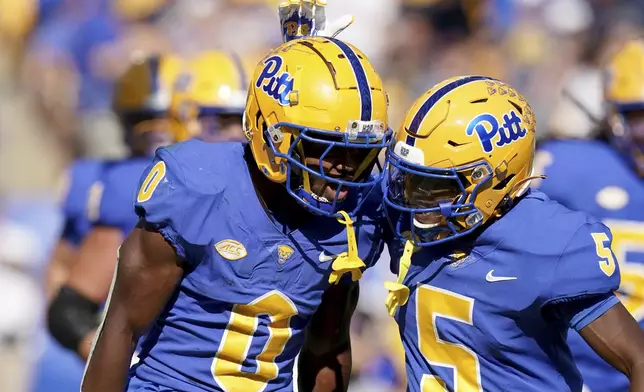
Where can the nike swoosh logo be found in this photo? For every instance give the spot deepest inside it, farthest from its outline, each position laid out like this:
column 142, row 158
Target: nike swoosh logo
column 491, row 278
column 323, row 258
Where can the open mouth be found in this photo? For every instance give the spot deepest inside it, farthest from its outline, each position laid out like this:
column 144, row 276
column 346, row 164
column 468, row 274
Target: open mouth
column 321, row 199
column 428, row 220
column 331, row 192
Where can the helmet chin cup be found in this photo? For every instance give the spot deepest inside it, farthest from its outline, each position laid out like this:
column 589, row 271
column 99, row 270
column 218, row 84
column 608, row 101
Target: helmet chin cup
column 328, row 207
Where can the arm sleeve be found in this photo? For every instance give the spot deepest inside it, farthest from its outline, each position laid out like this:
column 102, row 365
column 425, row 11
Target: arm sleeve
column 70, row 232
column 579, row 313
column 162, row 200
column 592, row 311
column 72, row 206
column 112, row 207
column 83, row 190
column 586, row 275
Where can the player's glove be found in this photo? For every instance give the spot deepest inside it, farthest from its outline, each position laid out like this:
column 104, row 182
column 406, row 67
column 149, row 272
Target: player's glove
column 301, row 18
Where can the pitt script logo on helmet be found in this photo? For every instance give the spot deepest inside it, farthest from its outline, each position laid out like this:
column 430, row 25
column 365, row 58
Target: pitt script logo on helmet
column 279, row 87
column 487, row 128
column 624, row 93
column 463, row 154
column 317, row 97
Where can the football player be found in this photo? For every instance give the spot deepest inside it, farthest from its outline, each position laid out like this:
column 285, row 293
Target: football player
column 210, row 96
column 240, row 256
column 80, row 189
column 603, row 176
column 142, row 101
column 492, row 275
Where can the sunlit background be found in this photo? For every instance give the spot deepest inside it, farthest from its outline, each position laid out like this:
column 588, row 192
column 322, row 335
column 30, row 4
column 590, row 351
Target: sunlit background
column 59, row 59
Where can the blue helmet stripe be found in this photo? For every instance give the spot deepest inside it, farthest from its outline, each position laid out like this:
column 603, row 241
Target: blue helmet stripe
column 366, row 107
column 154, row 65
column 420, row 115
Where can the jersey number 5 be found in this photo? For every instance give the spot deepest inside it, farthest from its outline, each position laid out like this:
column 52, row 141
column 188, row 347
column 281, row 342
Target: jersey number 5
column 434, row 303
column 607, row 261
column 236, row 347
column 628, row 247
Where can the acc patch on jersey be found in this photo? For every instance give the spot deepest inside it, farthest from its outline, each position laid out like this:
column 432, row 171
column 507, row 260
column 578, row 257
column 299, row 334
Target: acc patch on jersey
column 284, row 252
column 231, row 250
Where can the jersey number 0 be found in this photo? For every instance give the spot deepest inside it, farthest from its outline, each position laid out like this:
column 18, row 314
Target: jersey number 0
column 236, row 344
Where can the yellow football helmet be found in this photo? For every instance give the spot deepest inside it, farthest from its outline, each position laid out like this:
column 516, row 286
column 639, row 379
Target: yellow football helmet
column 624, row 96
column 209, row 96
column 462, row 155
column 18, row 18
column 137, row 9
column 316, row 102
column 142, row 97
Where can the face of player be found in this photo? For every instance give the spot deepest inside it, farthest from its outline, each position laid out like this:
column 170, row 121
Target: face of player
column 633, row 127
column 148, row 135
column 339, row 163
column 635, row 122
column 221, row 128
column 423, row 192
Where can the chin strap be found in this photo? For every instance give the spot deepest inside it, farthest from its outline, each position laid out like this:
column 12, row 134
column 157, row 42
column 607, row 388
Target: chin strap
column 518, row 190
column 347, row 261
column 398, row 292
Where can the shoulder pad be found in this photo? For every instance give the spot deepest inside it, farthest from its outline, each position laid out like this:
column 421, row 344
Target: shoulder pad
column 119, row 183
column 79, row 179
column 569, row 164
column 182, row 188
column 587, row 265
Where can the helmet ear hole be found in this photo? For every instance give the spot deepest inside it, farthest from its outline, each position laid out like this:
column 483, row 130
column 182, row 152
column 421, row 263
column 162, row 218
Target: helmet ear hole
column 260, row 125
column 503, row 183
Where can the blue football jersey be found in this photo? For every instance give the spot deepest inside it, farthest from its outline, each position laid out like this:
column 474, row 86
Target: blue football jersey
column 493, row 313
column 83, row 192
column 120, row 181
column 236, row 320
column 589, row 175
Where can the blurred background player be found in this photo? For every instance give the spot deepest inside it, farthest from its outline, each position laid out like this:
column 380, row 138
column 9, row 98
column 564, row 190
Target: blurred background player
column 82, row 190
column 603, row 176
column 210, row 96
column 142, row 100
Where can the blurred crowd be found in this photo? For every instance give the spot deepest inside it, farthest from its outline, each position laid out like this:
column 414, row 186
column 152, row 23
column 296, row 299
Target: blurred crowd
column 59, row 60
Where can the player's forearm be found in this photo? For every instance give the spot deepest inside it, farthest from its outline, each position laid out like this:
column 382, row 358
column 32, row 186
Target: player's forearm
column 110, row 359
column 635, row 375
column 326, row 372
column 637, row 383
column 59, row 268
